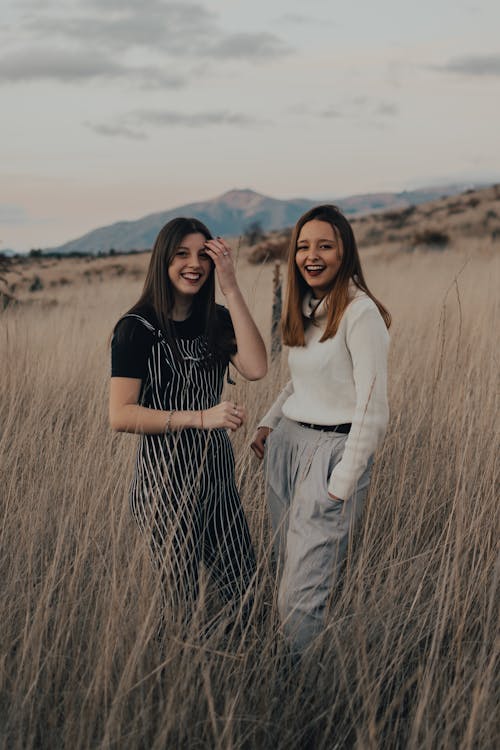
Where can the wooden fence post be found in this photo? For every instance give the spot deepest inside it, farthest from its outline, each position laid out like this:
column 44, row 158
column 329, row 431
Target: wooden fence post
column 276, row 312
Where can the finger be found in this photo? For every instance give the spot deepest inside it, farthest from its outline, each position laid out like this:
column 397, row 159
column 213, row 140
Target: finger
column 225, row 247
column 218, row 256
column 212, row 245
column 258, row 452
column 231, row 409
column 216, row 244
column 213, row 253
column 220, row 246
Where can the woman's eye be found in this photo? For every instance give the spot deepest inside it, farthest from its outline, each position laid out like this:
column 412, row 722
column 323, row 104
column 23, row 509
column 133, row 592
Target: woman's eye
column 203, row 255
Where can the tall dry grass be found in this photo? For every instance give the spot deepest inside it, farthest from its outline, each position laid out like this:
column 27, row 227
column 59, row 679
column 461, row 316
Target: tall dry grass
column 410, row 654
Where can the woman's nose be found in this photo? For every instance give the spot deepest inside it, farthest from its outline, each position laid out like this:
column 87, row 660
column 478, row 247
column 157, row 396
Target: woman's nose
column 313, row 253
column 194, row 261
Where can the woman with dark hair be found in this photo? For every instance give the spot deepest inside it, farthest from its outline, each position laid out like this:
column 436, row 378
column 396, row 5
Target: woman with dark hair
column 320, row 435
column 170, row 353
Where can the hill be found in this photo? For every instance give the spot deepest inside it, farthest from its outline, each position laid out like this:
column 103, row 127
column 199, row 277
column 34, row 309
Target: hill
column 469, row 223
column 435, row 224
column 231, row 213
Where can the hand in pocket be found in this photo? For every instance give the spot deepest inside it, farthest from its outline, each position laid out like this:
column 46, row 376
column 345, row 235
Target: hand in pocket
column 335, row 498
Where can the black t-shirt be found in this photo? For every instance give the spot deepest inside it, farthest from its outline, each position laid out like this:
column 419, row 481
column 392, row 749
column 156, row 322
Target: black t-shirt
column 132, row 341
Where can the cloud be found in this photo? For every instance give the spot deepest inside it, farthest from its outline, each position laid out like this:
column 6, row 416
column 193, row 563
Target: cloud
column 132, row 124
column 192, row 120
column 257, row 46
column 106, row 38
column 472, row 65
column 68, row 66
column 387, row 109
column 299, row 19
column 361, row 107
column 163, row 27
column 331, row 113
column 110, row 39
column 299, row 109
column 60, row 64
column 294, row 18
column 117, row 130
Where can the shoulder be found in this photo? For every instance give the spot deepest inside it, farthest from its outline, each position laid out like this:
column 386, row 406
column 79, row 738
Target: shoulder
column 140, row 324
column 133, row 339
column 359, row 305
column 362, row 312
column 140, row 317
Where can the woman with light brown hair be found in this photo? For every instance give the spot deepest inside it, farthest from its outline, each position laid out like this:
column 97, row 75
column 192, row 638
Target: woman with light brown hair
column 320, row 435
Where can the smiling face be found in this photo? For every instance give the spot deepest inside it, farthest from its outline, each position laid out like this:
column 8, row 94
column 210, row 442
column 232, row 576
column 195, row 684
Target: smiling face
column 318, row 256
column 189, row 267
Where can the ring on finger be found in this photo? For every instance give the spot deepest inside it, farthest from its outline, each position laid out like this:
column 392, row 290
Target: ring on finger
column 225, row 252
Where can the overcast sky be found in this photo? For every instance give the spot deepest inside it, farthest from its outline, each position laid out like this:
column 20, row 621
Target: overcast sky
column 113, row 109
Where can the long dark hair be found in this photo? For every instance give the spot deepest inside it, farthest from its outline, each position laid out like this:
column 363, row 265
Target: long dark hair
column 338, row 296
column 158, row 294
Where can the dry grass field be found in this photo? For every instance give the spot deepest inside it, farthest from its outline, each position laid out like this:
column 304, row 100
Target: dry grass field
column 411, row 652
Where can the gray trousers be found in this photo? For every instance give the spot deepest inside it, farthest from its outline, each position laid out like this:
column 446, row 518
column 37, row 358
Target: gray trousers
column 312, row 532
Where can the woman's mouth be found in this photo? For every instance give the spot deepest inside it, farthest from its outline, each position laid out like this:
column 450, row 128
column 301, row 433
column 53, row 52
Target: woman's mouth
column 314, row 269
column 191, row 278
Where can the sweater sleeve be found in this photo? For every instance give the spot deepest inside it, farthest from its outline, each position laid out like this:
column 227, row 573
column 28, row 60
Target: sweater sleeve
column 368, row 343
column 273, row 416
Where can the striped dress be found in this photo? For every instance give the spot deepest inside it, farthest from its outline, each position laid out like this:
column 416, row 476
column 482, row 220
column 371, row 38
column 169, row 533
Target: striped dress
column 183, row 493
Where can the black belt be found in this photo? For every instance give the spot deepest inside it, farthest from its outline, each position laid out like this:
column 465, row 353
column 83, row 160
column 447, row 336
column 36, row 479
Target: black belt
column 344, row 428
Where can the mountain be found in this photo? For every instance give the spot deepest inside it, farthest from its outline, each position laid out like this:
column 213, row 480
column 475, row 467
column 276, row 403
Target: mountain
column 228, row 215
column 231, row 213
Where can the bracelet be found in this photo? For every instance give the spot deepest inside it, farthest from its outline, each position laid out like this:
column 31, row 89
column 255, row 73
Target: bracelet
column 169, row 419
column 201, row 419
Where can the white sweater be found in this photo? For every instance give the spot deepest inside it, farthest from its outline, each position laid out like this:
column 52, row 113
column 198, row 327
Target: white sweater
column 342, row 379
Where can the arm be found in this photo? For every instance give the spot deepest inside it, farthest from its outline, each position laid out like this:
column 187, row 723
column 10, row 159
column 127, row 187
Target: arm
column 130, row 350
column 251, row 359
column 126, row 415
column 269, row 421
column 368, row 342
column 274, row 414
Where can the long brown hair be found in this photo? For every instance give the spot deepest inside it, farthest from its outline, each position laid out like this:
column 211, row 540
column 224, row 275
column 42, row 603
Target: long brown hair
column 158, row 293
column 338, row 296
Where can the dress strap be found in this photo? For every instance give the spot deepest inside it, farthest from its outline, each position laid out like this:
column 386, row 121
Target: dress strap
column 145, row 322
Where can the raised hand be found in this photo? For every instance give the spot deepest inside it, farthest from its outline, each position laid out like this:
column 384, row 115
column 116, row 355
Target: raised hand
column 221, row 254
column 250, row 358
